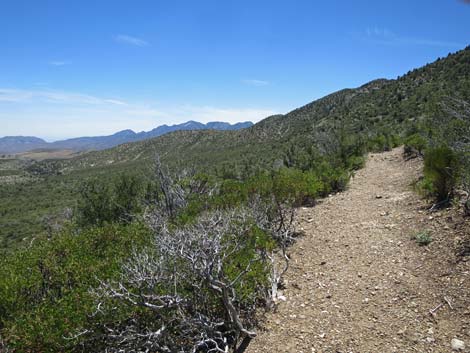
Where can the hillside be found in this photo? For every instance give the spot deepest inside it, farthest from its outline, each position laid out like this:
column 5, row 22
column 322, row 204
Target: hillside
column 378, row 108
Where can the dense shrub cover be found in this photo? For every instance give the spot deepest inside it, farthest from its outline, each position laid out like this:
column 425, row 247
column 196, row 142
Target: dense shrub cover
column 119, row 269
column 44, row 289
column 103, row 202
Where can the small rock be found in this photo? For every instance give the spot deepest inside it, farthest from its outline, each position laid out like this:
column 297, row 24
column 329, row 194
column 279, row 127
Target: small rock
column 281, row 297
column 430, row 340
column 457, row 345
column 378, row 196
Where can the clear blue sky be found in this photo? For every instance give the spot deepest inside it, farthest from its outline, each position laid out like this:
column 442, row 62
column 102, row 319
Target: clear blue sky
column 88, row 67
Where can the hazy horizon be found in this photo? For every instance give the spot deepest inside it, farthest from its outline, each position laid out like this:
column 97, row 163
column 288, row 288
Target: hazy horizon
column 140, row 131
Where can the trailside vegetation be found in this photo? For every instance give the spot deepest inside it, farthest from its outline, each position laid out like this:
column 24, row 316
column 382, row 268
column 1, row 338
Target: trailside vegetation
column 171, row 262
column 443, row 141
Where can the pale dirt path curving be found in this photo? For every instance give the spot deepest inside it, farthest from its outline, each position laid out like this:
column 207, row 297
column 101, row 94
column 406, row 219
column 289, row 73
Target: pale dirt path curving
column 357, row 283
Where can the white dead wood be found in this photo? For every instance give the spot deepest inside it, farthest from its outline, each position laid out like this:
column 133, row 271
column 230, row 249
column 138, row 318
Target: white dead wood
column 194, row 280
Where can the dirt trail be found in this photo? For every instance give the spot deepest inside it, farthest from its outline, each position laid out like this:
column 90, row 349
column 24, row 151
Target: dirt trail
column 358, row 283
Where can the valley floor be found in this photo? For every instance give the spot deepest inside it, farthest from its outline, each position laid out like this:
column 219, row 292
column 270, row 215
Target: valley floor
column 359, row 283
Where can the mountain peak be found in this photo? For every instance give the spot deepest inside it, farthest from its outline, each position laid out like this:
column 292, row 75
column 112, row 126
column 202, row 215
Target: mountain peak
column 127, row 132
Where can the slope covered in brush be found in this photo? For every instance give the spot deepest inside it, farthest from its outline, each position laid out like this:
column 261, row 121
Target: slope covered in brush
column 377, row 111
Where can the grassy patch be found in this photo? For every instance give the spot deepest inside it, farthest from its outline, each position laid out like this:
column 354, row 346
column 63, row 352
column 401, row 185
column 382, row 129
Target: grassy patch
column 422, row 238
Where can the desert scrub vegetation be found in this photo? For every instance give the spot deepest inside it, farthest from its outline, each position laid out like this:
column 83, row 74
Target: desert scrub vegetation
column 44, row 289
column 414, row 145
column 422, row 238
column 174, row 263
column 200, row 286
column 168, row 262
column 103, row 201
column 441, row 171
column 443, row 142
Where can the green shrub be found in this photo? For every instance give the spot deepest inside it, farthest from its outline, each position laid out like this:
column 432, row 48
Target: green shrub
column 384, row 141
column 294, row 186
column 440, row 172
column 286, row 185
column 356, row 162
column 331, row 179
column 415, row 145
column 104, row 201
column 423, row 238
column 44, row 290
column 94, row 206
column 127, row 198
column 379, row 143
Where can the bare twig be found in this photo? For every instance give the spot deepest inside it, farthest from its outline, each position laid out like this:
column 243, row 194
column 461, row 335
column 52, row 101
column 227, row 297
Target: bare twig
column 448, row 303
column 434, row 310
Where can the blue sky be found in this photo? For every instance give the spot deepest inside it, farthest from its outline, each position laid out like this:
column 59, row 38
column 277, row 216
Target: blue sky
column 72, row 68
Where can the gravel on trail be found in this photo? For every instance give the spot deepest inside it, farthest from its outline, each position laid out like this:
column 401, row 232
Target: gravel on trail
column 359, row 282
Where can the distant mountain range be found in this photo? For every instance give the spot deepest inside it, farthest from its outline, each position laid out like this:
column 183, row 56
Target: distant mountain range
column 19, row 144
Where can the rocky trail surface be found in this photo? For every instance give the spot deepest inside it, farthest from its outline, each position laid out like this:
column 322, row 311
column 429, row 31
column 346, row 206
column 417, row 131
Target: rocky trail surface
column 358, row 282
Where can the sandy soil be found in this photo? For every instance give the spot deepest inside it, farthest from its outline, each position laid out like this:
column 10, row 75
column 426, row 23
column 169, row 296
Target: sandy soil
column 358, row 282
